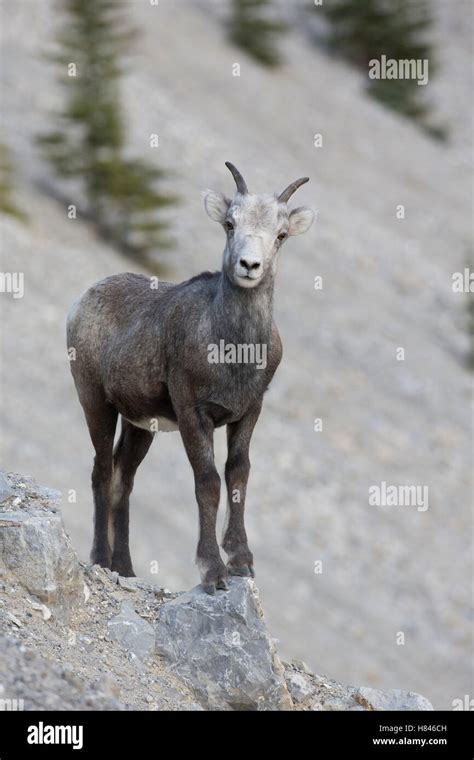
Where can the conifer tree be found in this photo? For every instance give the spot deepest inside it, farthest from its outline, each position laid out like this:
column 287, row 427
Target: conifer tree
column 7, row 203
column 362, row 30
column 121, row 193
column 252, row 29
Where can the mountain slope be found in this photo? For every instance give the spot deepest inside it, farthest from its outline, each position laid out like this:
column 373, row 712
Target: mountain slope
column 386, row 284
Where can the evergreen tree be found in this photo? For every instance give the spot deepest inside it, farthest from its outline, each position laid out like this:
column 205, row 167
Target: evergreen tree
column 254, row 31
column 7, row 203
column 122, row 194
column 362, row 30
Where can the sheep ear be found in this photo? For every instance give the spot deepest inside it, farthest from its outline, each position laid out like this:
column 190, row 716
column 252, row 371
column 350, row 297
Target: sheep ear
column 216, row 205
column 301, row 220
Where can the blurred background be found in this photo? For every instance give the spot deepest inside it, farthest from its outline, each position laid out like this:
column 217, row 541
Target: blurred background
column 115, row 116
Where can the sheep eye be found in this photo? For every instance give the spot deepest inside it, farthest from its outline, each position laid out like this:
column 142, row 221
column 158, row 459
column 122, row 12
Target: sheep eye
column 228, row 226
column 282, row 236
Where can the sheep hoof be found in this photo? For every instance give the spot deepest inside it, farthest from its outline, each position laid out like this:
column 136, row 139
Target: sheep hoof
column 219, row 585
column 123, row 567
column 244, row 571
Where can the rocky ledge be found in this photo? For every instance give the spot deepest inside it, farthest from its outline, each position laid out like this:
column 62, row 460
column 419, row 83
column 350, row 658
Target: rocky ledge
column 81, row 637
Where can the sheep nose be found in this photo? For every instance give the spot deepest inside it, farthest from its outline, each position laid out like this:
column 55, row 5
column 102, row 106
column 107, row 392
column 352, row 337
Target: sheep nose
column 248, row 264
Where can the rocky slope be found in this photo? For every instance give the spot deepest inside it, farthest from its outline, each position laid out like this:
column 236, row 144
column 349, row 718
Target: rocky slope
column 76, row 637
column 386, row 283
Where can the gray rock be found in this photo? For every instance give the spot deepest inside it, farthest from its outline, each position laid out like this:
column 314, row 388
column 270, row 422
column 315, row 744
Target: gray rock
column 108, row 685
column 220, row 646
column 36, row 550
column 132, row 632
column 127, row 583
column 35, row 682
column 189, row 707
column 333, row 696
column 337, row 705
column 299, row 686
column 395, row 699
column 6, row 491
column 301, row 665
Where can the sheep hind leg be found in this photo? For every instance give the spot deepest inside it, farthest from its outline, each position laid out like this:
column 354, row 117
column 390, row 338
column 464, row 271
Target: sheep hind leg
column 101, row 420
column 129, row 452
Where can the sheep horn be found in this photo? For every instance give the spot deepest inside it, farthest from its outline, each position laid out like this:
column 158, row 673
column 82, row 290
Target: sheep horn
column 285, row 196
column 239, row 180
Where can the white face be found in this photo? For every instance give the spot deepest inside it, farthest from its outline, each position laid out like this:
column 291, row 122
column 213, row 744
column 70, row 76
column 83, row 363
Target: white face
column 256, row 226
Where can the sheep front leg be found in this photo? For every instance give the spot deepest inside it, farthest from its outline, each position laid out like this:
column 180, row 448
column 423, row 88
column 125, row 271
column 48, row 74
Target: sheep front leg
column 197, row 432
column 237, row 470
